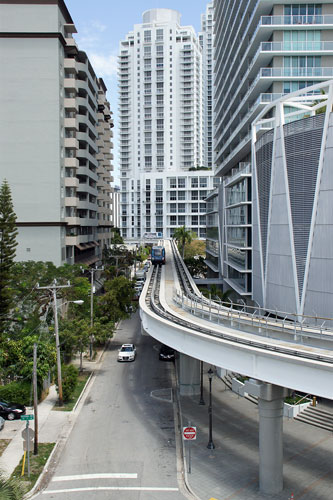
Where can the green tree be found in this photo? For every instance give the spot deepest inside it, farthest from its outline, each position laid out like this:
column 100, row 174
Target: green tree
column 195, row 248
column 196, row 266
column 8, row 243
column 183, row 236
column 115, row 303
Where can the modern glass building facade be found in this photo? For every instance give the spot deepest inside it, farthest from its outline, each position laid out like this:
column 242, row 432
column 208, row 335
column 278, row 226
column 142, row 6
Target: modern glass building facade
column 263, row 50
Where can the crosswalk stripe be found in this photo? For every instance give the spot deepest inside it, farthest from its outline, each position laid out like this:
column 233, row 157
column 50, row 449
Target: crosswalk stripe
column 120, row 475
column 109, row 488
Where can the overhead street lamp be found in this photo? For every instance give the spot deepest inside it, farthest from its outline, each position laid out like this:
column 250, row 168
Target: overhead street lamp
column 210, row 444
column 53, row 289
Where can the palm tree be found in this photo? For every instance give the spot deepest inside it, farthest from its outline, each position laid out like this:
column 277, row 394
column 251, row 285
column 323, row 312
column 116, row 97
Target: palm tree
column 183, row 236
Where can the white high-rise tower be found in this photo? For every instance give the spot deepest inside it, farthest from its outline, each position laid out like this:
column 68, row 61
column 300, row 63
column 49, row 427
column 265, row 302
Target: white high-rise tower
column 160, row 80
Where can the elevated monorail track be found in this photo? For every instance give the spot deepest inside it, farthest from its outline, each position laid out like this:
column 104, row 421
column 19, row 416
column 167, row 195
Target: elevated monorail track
column 153, row 302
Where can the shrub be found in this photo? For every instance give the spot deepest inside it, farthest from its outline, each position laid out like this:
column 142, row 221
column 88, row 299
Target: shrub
column 18, row 392
column 69, row 375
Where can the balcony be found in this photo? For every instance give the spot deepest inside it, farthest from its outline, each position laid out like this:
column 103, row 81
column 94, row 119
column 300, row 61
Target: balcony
column 71, row 143
column 71, row 163
column 71, row 182
column 283, row 48
column 297, row 21
column 296, row 72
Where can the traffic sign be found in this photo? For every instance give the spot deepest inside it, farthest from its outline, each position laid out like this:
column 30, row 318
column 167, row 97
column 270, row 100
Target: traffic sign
column 28, row 434
column 27, row 417
column 189, row 433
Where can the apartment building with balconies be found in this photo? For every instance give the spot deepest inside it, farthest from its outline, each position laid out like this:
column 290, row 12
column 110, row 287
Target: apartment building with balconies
column 206, row 41
column 263, row 50
column 55, row 143
column 161, row 121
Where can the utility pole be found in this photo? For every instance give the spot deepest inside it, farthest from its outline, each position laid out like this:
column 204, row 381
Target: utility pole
column 35, row 400
column 53, row 289
column 92, row 271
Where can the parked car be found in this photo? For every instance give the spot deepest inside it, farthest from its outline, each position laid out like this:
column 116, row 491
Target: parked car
column 2, row 423
column 127, row 352
column 166, row 353
column 10, row 411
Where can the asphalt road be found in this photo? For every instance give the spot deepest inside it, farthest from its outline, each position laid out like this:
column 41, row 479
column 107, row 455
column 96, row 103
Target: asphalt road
column 123, row 443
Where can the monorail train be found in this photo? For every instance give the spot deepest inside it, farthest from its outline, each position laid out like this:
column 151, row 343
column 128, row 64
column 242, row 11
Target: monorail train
column 158, row 255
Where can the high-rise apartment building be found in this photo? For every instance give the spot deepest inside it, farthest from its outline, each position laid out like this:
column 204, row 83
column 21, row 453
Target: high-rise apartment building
column 263, row 50
column 161, row 120
column 207, row 44
column 55, row 135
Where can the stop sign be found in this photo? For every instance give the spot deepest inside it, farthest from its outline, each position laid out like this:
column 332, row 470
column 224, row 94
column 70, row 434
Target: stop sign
column 190, row 433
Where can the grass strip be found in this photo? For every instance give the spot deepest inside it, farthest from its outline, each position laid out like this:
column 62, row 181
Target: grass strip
column 37, row 463
column 69, row 405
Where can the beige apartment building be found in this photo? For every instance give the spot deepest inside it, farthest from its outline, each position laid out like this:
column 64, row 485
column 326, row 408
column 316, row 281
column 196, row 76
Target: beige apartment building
column 55, row 136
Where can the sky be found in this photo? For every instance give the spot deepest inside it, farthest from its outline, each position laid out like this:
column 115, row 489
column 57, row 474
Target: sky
column 101, row 24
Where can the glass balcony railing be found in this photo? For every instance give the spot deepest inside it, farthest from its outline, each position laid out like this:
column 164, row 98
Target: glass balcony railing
column 289, row 72
column 296, row 19
column 299, row 46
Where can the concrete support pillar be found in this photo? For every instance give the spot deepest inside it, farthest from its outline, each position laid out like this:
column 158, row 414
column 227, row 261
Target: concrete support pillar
column 189, row 375
column 270, row 403
column 270, row 445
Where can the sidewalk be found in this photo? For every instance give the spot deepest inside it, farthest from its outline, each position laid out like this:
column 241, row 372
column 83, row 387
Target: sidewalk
column 230, row 471
column 53, row 426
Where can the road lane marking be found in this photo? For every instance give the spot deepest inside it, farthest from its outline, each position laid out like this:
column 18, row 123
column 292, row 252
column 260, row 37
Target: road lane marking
column 109, row 488
column 120, row 475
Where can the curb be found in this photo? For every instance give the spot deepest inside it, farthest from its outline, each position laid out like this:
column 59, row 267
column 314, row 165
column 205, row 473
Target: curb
column 35, row 487
column 182, row 446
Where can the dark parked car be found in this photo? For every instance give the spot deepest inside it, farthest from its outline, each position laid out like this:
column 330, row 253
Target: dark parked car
column 166, row 353
column 10, row 411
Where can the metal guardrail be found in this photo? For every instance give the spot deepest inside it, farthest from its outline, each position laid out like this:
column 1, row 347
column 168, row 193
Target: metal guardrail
column 153, row 301
column 254, row 322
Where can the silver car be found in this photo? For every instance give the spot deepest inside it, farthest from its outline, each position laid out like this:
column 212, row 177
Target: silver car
column 127, row 352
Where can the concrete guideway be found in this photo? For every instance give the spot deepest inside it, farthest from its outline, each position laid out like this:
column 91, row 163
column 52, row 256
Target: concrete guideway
column 241, row 351
column 272, row 364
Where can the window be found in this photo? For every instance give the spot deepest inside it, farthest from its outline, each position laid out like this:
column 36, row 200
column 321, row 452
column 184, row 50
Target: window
column 202, row 220
column 302, row 66
column 147, row 51
column 194, row 195
column 159, row 35
column 159, row 50
column 181, row 182
column 148, row 161
column 173, row 195
column 181, row 208
column 194, row 182
column 173, row 183
column 194, row 208
column 159, row 209
column 160, row 124
column 203, row 182
column 194, row 220
column 173, row 220
column 181, row 195
column 159, row 196
column 159, row 183
column 301, row 40
column 203, row 195
column 147, row 36
column 173, row 208
column 181, row 220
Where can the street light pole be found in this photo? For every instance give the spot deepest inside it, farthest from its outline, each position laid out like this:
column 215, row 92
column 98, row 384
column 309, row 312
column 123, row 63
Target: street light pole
column 92, row 271
column 201, row 402
column 210, row 444
column 53, row 289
